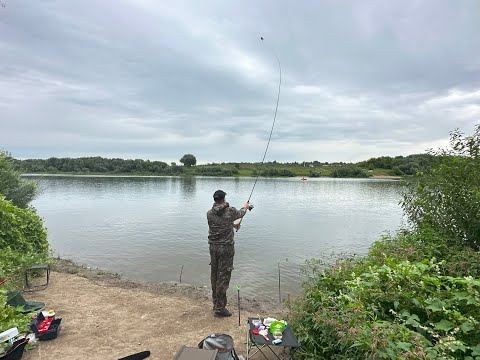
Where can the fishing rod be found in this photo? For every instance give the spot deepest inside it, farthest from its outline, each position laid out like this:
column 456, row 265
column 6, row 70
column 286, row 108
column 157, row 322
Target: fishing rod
column 273, row 124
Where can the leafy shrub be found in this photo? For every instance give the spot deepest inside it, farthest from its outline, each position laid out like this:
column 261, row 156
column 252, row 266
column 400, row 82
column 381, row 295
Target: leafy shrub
column 277, row 173
column 21, row 230
column 23, row 242
column 399, row 310
column 12, row 186
column 424, row 243
column 349, row 172
column 216, row 171
column 446, row 197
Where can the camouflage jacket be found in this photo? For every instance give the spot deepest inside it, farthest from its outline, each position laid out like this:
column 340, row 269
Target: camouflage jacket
column 220, row 222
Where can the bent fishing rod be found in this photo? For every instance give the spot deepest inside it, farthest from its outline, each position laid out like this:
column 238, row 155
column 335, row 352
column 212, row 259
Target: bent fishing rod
column 273, row 125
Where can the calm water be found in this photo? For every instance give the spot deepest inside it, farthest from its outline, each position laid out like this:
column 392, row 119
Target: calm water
column 147, row 228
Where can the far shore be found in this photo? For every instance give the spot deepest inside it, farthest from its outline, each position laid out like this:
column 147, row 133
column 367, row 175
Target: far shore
column 378, row 177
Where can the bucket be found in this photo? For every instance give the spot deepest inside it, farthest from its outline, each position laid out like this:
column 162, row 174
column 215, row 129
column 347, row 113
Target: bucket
column 223, row 343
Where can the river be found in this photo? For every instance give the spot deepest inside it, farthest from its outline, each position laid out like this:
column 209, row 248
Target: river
column 148, row 228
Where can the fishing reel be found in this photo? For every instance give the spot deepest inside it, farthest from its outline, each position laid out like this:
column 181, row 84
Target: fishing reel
column 250, row 207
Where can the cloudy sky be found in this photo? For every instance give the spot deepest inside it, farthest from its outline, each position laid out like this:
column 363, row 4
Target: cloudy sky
column 157, row 79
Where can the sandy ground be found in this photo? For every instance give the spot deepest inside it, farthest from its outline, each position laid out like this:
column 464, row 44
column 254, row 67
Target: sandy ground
column 105, row 317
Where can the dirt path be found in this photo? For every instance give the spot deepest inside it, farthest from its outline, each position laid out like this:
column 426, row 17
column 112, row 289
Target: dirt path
column 105, row 317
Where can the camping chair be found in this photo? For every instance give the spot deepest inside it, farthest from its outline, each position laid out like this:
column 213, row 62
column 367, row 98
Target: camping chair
column 33, row 268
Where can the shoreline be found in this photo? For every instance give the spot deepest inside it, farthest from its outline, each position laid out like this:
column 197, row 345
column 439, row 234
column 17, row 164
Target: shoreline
column 111, row 279
column 107, row 317
column 372, row 177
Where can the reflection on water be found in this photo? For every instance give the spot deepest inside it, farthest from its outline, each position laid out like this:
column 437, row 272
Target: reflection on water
column 148, row 227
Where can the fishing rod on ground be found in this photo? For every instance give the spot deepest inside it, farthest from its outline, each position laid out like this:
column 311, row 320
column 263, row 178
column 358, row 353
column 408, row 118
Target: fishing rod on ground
column 271, row 131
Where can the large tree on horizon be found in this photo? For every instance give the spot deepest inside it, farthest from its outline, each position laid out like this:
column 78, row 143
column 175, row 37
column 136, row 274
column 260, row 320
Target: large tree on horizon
column 188, row 160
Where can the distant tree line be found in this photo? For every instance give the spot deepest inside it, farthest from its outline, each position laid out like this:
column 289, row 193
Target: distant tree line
column 399, row 165
column 97, row 165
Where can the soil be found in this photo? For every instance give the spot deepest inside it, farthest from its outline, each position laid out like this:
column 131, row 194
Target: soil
column 106, row 317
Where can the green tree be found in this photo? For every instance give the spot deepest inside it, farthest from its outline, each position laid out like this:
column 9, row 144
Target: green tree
column 12, row 186
column 446, row 197
column 188, row 160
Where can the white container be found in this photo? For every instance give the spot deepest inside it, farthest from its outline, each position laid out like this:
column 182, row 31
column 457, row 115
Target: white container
column 9, row 334
column 47, row 314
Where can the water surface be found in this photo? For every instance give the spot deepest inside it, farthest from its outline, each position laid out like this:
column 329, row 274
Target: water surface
column 146, row 228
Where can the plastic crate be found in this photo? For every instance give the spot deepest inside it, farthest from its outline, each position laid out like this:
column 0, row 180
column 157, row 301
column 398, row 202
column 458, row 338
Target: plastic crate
column 43, row 332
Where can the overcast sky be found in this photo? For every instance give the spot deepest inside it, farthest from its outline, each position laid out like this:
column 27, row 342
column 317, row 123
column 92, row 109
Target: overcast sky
column 157, row 79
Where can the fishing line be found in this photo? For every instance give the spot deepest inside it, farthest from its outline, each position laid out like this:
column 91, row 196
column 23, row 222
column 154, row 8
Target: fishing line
column 273, row 124
column 274, row 118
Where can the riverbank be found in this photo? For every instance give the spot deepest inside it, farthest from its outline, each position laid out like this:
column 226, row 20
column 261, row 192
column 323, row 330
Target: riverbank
column 249, row 175
column 107, row 317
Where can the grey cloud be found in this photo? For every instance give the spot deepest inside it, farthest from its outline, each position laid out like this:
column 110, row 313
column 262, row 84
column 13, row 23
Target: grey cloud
column 142, row 79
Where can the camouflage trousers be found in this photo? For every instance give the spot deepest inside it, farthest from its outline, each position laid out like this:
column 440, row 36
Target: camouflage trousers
column 221, row 262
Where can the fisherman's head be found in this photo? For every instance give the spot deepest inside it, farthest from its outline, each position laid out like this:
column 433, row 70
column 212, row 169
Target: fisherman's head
column 219, row 196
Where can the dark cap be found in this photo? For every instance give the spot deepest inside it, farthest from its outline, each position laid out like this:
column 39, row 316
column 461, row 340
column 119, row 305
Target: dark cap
column 219, row 194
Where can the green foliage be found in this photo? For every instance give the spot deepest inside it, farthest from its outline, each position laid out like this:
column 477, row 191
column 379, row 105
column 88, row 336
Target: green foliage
column 188, row 160
column 12, row 186
column 23, row 242
column 349, row 172
column 446, row 197
column 399, row 165
column 96, row 165
column 397, row 310
column 21, row 230
column 277, row 173
column 216, row 171
column 399, row 302
column 99, row 165
column 423, row 243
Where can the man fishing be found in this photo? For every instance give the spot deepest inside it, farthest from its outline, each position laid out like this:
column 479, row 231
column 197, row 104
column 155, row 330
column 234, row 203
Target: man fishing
column 221, row 219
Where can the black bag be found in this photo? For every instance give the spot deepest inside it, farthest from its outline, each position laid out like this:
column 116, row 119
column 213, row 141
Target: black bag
column 16, row 351
column 221, row 342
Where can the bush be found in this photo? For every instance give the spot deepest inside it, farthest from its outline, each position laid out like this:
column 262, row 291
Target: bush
column 23, row 242
column 23, row 239
column 349, row 172
column 399, row 310
column 216, row 171
column 277, row 173
column 447, row 196
column 424, row 243
column 12, row 186
column 399, row 302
